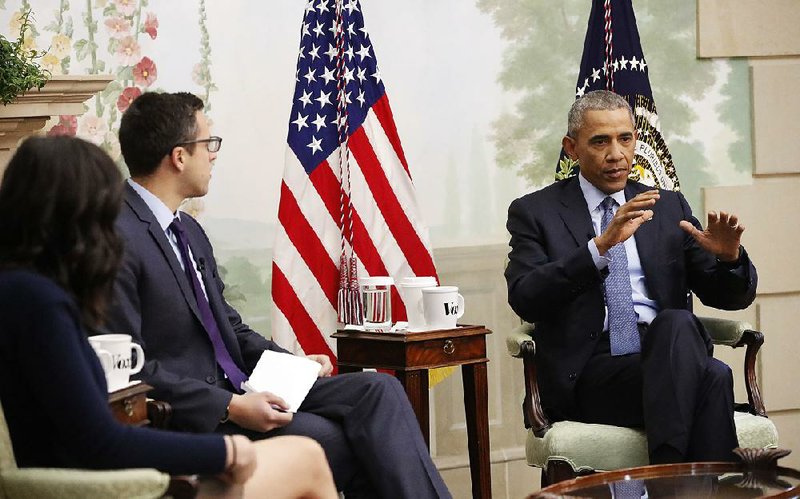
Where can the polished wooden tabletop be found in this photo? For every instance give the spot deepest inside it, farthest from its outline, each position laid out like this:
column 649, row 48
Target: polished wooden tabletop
column 723, row 480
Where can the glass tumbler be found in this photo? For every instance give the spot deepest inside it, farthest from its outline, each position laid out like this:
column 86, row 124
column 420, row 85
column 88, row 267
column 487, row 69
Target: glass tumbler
column 376, row 298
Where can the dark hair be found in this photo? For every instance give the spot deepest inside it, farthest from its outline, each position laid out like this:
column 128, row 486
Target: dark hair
column 596, row 100
column 153, row 124
column 59, row 199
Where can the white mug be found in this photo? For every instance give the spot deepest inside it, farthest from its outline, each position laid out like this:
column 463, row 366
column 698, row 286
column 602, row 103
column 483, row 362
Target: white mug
column 411, row 292
column 104, row 356
column 119, row 347
column 443, row 306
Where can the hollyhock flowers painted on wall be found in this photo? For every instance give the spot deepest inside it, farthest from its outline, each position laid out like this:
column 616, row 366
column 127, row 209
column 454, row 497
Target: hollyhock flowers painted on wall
column 117, row 37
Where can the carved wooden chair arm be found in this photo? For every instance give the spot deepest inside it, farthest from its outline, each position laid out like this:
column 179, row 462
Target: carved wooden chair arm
column 752, row 340
column 521, row 345
column 737, row 334
column 159, row 413
column 182, row 487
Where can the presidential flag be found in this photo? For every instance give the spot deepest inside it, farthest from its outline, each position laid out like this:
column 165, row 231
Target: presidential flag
column 613, row 60
column 347, row 207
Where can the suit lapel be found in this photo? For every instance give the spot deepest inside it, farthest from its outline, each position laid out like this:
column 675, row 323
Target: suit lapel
column 142, row 211
column 575, row 213
column 195, row 245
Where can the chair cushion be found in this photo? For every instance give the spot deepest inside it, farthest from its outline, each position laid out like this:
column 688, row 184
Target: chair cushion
column 588, row 447
column 755, row 432
column 56, row 483
column 7, row 461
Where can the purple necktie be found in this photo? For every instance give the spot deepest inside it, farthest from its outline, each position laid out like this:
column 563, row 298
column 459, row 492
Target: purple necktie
column 221, row 353
column 623, row 332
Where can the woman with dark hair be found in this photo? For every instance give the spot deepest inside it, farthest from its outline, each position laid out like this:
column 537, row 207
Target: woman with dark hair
column 59, row 254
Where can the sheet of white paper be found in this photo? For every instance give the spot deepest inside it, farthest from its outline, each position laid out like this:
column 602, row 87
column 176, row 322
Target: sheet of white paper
column 288, row 376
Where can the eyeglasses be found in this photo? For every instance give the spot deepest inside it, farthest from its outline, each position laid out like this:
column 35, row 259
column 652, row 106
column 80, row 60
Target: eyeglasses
column 212, row 143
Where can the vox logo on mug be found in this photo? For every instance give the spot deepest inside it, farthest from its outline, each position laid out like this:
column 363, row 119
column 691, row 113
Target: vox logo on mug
column 442, row 306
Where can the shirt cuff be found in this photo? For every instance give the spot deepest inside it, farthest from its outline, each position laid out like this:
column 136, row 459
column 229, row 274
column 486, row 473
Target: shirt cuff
column 600, row 261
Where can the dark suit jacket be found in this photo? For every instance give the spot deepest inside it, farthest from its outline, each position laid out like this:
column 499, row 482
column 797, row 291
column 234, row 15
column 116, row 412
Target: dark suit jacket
column 153, row 301
column 553, row 282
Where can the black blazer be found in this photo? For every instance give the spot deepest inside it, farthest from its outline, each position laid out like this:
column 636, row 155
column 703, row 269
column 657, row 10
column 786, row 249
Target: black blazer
column 553, row 282
column 153, row 301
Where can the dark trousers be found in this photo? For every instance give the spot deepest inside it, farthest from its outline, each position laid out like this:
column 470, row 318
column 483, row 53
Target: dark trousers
column 370, row 435
column 675, row 389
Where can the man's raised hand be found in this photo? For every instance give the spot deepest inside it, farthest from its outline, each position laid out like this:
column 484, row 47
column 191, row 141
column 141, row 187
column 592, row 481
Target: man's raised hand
column 627, row 220
column 721, row 237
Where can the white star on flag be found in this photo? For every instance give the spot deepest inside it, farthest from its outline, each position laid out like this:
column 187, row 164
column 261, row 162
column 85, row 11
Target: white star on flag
column 331, row 52
column 300, row 121
column 364, row 52
column 305, row 98
column 323, row 99
column 319, row 122
column 328, row 75
column 313, row 52
column 315, row 145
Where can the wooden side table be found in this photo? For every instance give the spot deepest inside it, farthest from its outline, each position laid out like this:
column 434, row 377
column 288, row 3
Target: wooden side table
column 129, row 404
column 410, row 355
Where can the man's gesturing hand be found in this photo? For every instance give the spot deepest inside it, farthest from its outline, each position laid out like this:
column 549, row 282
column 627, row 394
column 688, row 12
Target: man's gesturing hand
column 628, row 218
column 259, row 411
column 721, row 237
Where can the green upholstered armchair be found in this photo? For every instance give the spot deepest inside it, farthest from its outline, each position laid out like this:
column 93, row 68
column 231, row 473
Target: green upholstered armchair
column 72, row 483
column 567, row 449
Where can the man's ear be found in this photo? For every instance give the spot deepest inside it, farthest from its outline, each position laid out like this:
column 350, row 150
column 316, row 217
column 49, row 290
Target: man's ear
column 568, row 143
column 176, row 158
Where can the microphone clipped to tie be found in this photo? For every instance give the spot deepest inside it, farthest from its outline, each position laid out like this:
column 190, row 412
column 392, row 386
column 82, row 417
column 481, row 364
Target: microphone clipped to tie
column 201, row 264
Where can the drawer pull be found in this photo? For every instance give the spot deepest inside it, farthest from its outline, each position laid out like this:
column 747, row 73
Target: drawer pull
column 128, row 405
column 449, row 347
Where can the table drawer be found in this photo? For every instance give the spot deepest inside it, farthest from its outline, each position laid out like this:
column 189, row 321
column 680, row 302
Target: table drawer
column 446, row 351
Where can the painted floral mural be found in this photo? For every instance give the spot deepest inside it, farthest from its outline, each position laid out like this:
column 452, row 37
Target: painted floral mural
column 117, row 37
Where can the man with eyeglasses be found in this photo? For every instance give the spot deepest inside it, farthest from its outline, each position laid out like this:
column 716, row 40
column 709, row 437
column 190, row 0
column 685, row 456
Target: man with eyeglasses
column 168, row 296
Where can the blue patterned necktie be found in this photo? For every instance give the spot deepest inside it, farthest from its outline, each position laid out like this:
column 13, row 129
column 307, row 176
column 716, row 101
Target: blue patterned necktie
column 622, row 329
column 627, row 489
column 221, row 353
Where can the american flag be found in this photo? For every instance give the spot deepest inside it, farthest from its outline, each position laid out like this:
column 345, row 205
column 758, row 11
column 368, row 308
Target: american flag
column 613, row 60
column 345, row 173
